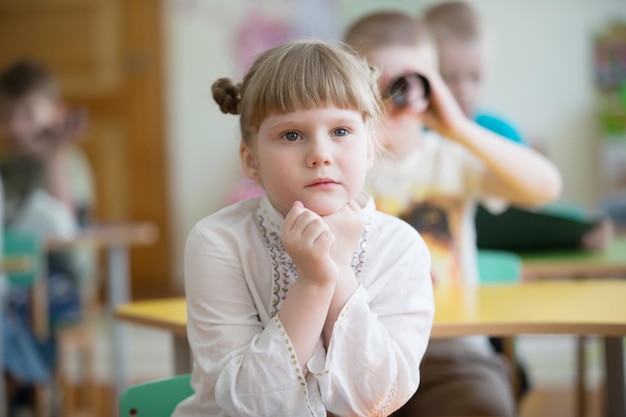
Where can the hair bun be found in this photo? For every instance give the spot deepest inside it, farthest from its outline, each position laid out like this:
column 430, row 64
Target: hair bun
column 226, row 95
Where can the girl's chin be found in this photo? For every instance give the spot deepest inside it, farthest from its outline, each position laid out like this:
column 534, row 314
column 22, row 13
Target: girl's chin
column 325, row 208
column 319, row 208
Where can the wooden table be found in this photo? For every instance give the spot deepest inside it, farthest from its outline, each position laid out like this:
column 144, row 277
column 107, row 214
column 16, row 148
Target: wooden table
column 577, row 263
column 592, row 307
column 168, row 314
column 115, row 239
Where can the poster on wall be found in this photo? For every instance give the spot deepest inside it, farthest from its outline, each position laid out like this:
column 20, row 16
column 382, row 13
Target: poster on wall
column 610, row 77
column 252, row 27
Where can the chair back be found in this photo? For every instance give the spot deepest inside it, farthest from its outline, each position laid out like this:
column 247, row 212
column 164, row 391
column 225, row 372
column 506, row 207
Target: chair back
column 569, row 210
column 155, row 398
column 18, row 245
column 498, row 267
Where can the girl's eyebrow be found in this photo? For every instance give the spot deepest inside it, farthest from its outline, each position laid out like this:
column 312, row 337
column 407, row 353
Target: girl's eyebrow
column 333, row 121
column 281, row 125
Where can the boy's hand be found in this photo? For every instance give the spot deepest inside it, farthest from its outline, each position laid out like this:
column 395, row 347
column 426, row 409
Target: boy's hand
column 600, row 236
column 69, row 129
column 308, row 241
column 347, row 227
column 444, row 113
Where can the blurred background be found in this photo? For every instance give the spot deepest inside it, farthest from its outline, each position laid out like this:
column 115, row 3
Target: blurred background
column 542, row 75
column 161, row 150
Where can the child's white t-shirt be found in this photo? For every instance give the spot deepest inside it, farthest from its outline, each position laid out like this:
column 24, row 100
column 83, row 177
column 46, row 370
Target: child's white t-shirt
column 436, row 188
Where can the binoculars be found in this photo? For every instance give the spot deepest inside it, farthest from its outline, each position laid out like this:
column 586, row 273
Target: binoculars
column 409, row 90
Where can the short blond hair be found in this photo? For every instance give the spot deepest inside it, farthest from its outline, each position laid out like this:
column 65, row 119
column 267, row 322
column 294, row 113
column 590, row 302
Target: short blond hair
column 454, row 20
column 386, row 29
column 300, row 75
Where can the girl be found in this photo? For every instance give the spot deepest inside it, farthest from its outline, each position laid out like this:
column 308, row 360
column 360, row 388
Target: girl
column 306, row 301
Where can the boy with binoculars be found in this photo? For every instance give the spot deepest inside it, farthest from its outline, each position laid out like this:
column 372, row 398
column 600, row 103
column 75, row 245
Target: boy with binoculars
column 436, row 166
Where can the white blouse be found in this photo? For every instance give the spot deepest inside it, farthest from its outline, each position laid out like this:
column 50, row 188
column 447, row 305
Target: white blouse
column 237, row 275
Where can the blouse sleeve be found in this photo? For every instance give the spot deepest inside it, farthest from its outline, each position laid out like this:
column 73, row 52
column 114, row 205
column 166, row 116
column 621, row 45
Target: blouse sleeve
column 372, row 364
column 240, row 367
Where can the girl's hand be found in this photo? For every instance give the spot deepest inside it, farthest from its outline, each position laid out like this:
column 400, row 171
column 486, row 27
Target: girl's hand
column 347, row 227
column 308, row 241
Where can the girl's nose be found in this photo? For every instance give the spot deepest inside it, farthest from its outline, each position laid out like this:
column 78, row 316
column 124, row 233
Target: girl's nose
column 319, row 153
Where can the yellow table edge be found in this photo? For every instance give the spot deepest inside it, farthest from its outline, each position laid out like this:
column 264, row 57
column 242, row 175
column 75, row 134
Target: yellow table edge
column 584, row 308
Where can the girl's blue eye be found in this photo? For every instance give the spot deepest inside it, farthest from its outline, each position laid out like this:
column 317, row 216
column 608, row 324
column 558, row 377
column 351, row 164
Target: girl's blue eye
column 341, row 132
column 291, row 136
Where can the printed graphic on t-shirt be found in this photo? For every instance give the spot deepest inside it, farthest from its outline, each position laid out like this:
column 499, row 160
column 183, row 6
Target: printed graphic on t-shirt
column 438, row 220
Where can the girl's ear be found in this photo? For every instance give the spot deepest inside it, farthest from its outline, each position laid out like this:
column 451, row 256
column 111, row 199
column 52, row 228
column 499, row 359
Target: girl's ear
column 248, row 162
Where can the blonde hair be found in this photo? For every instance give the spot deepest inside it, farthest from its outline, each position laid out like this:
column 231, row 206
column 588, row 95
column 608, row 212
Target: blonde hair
column 300, row 75
column 454, row 20
column 384, row 29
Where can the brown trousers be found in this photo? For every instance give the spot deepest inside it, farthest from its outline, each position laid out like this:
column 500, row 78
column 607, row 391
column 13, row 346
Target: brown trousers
column 464, row 384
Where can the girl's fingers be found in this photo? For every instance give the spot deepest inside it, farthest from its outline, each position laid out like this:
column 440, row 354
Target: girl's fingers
column 354, row 206
column 325, row 240
column 313, row 229
column 294, row 214
column 303, row 224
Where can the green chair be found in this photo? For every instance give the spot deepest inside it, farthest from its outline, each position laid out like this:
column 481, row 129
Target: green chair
column 26, row 249
column 498, row 267
column 20, row 245
column 568, row 210
column 21, row 263
column 155, row 398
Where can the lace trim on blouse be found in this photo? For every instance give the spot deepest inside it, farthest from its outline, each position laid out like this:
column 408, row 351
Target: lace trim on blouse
column 284, row 274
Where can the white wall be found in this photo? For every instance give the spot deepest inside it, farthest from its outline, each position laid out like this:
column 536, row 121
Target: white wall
column 201, row 47
column 541, row 78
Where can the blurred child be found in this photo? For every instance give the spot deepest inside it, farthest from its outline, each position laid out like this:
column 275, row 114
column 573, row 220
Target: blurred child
column 464, row 48
column 433, row 179
column 306, row 301
column 463, row 51
column 39, row 167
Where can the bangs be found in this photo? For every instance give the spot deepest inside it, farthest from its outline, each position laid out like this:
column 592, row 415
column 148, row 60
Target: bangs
column 309, row 78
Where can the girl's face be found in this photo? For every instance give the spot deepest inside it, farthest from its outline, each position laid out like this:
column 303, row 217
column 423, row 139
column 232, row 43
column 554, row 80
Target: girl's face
column 318, row 156
column 25, row 121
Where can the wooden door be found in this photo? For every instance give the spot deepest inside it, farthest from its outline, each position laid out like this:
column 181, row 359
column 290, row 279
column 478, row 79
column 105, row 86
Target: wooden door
column 108, row 55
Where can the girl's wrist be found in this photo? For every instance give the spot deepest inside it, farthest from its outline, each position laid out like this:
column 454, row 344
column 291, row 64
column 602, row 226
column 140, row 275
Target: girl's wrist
column 317, row 284
column 316, row 289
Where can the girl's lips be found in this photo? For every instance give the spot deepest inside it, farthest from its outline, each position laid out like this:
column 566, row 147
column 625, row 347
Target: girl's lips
column 321, row 182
